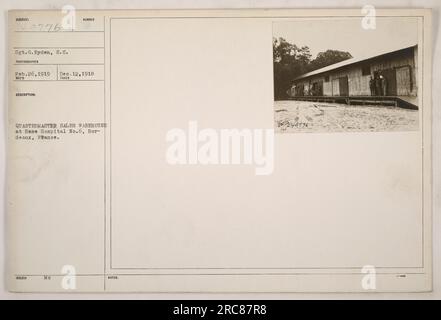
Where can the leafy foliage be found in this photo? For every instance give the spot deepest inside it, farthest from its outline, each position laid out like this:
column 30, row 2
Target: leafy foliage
column 327, row 58
column 291, row 61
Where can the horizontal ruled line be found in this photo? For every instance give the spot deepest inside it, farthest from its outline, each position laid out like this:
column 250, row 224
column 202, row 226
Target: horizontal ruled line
column 67, row 31
column 55, row 80
column 58, row 64
column 58, row 47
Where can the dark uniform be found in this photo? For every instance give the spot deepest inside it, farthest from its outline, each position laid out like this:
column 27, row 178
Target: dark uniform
column 372, row 86
column 378, row 87
column 383, row 85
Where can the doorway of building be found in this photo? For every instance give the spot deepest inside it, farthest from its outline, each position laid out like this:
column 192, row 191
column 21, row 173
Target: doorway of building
column 317, row 88
column 391, row 81
column 343, row 86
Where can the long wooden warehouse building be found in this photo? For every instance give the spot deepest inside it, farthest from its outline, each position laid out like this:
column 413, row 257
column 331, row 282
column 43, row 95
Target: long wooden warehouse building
column 350, row 81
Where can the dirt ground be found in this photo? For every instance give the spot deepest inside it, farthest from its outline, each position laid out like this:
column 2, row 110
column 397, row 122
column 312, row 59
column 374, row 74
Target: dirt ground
column 303, row 116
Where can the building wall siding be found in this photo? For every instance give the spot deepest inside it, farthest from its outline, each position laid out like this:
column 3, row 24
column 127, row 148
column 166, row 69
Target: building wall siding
column 327, row 88
column 335, row 88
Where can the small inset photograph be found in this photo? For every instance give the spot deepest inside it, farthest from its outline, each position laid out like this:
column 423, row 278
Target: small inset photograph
column 336, row 75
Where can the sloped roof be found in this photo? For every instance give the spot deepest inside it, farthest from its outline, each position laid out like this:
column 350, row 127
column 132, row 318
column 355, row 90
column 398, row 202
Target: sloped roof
column 349, row 62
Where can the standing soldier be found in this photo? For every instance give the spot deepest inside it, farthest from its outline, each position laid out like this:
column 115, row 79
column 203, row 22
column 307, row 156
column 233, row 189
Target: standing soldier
column 378, row 87
column 383, row 85
column 372, row 85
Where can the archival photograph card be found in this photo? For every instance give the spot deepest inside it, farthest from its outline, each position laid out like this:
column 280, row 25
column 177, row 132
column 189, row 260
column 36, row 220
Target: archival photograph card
column 219, row 151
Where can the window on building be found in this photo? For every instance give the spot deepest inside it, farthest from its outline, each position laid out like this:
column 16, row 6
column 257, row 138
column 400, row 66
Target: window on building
column 366, row 70
column 326, row 78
